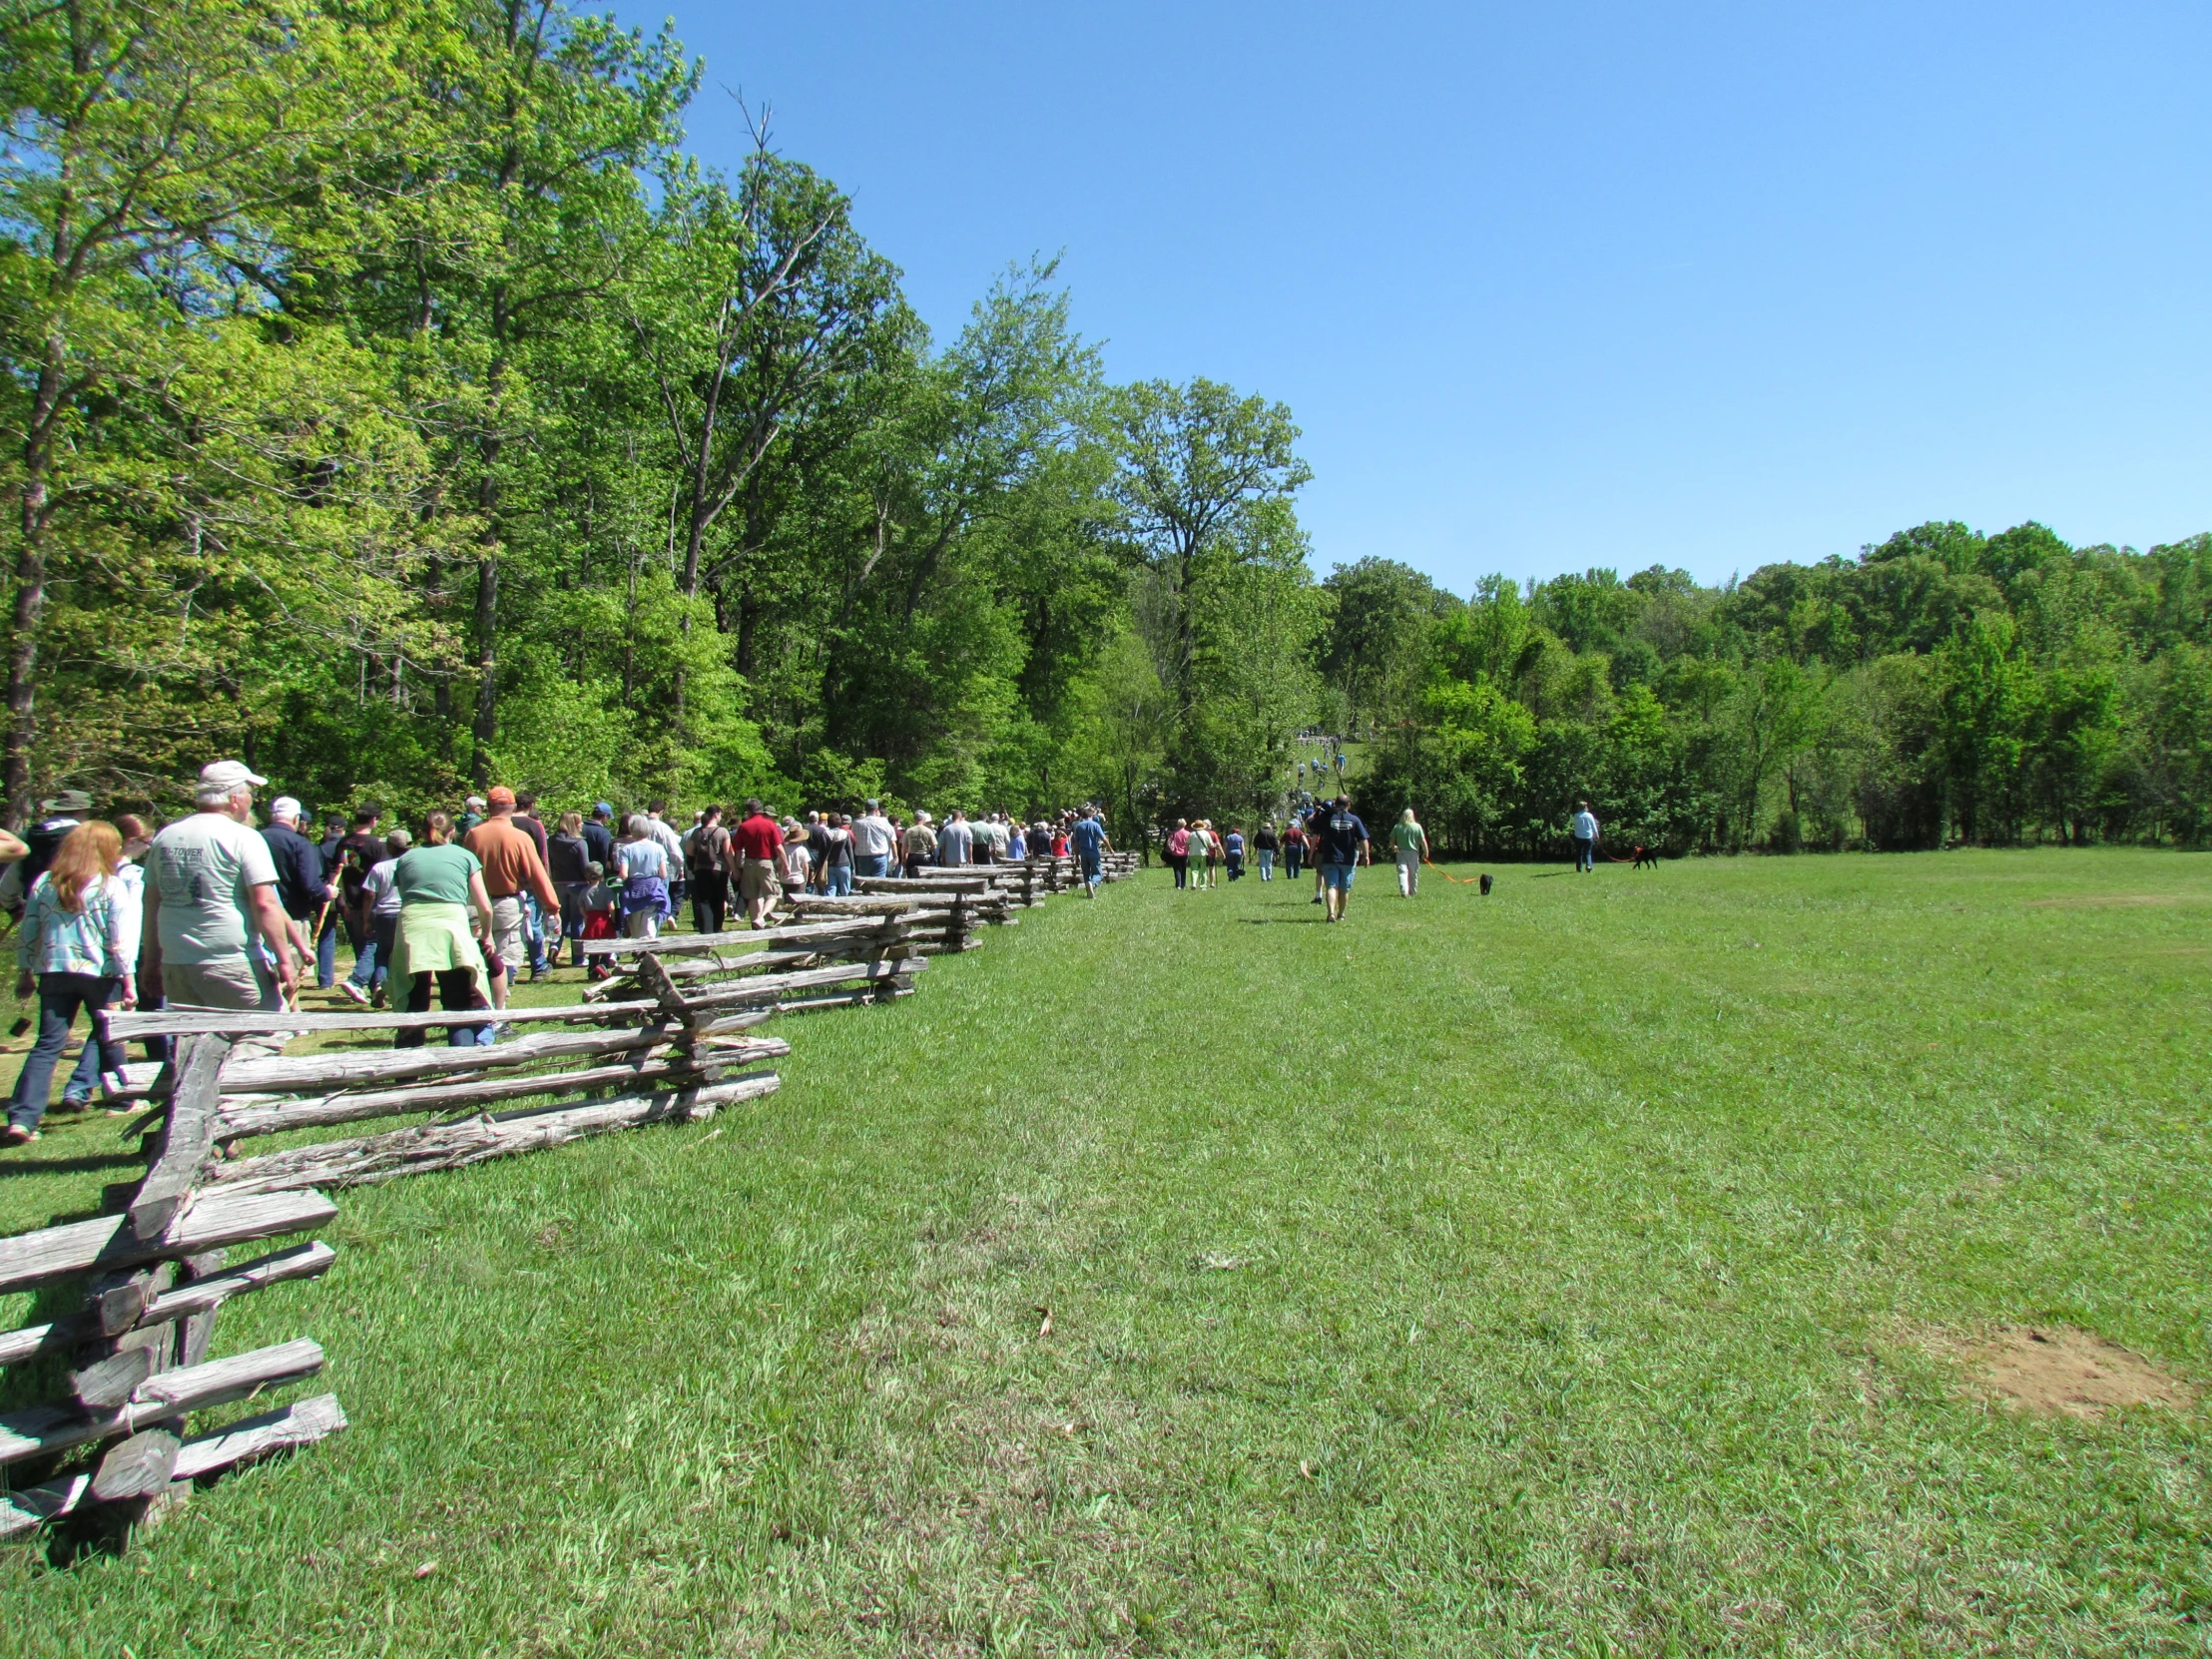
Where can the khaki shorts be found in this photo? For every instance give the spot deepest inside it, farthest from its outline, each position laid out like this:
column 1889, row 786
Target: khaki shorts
column 756, row 880
column 234, row 982
column 506, row 933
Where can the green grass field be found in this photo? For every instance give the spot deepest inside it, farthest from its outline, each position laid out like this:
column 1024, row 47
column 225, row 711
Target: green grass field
column 1564, row 1272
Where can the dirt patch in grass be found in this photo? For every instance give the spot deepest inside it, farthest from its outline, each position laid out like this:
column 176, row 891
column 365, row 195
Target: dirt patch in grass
column 2055, row 1369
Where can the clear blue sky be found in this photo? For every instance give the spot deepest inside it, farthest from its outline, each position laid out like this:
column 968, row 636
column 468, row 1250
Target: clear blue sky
column 1558, row 285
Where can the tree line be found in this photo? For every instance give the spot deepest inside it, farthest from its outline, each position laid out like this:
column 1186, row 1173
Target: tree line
column 394, row 403
column 1943, row 687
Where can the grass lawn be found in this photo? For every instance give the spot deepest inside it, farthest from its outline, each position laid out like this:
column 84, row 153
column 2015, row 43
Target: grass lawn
column 1571, row 1271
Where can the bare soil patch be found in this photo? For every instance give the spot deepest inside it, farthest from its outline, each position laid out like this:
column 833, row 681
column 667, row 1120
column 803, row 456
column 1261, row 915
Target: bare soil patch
column 2055, row 1369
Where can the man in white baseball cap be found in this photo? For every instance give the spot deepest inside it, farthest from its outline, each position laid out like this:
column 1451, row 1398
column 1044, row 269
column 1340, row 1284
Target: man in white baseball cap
column 210, row 885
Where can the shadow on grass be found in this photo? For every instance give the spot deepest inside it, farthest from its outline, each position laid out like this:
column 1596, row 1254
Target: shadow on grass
column 1280, row 921
column 70, row 1166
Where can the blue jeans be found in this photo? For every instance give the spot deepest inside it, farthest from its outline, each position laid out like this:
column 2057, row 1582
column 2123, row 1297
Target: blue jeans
column 870, row 863
column 533, row 930
column 1266, row 863
column 373, row 964
column 59, row 995
column 837, row 880
column 326, row 951
column 1584, row 855
column 1092, row 874
column 1293, row 859
column 572, row 920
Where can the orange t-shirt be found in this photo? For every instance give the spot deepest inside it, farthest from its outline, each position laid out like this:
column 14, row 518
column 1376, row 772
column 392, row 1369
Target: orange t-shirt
column 510, row 859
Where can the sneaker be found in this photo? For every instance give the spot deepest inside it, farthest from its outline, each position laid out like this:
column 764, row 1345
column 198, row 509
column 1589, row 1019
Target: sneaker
column 377, row 1002
column 16, row 1135
column 354, row 993
column 74, row 1103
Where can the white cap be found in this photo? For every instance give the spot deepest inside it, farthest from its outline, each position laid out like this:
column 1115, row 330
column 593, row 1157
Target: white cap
column 218, row 777
column 283, row 807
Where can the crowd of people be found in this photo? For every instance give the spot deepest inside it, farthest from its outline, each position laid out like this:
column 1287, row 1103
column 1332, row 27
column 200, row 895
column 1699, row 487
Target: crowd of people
column 216, row 913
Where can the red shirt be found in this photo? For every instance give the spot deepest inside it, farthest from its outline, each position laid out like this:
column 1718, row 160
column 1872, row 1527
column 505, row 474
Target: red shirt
column 758, row 837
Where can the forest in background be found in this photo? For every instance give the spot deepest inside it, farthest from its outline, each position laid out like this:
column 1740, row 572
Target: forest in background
column 393, row 402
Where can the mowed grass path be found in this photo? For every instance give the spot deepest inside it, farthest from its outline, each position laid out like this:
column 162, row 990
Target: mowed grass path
column 1552, row 1273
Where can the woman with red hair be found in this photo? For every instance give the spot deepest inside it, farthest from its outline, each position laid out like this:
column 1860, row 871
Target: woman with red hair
column 72, row 945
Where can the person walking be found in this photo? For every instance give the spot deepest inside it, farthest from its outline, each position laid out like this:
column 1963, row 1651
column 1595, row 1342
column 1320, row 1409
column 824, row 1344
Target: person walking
column 1294, row 847
column 1582, row 829
column 357, row 853
column 1409, row 841
column 301, row 885
column 836, row 854
column 568, row 862
column 129, row 881
column 512, row 872
column 642, row 869
column 536, row 911
column 708, row 855
column 34, row 853
column 599, row 836
column 1232, row 852
column 445, row 909
column 798, row 861
column 759, row 844
column 956, row 843
column 211, row 890
column 1091, row 845
column 920, row 844
column 874, row 841
column 1178, row 847
column 69, row 948
column 1265, row 843
column 671, row 844
column 1344, row 848
column 372, row 968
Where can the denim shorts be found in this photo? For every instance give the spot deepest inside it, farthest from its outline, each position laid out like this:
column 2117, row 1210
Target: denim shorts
column 1338, row 876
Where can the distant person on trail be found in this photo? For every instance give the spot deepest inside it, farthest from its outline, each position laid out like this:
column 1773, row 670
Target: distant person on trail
column 956, row 841
column 1294, row 847
column 568, row 860
column 1344, row 847
column 707, row 854
column 1265, row 841
column 874, row 841
column 1088, row 839
column 1583, row 829
column 759, row 844
column 642, row 867
column 380, row 892
column 1409, row 843
column 1316, row 847
column 920, row 844
column 1233, row 850
column 1179, row 852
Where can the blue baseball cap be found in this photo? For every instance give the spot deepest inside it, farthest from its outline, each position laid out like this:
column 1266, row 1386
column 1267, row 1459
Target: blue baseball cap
column 603, row 808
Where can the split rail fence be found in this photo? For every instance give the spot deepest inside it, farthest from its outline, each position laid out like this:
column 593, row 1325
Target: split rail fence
column 132, row 1296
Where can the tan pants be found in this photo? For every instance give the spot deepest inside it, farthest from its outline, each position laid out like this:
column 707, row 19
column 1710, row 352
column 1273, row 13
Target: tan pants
column 234, row 982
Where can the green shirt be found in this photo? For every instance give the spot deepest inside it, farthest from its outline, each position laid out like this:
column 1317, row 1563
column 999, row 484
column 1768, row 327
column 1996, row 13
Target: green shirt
column 435, row 874
column 1408, row 837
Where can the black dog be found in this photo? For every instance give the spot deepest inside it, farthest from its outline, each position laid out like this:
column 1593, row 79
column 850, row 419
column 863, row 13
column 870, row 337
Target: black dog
column 1485, row 894
column 1645, row 856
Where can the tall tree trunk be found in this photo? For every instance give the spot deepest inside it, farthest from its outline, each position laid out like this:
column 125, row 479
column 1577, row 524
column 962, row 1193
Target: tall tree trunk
column 30, row 586
column 487, row 665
